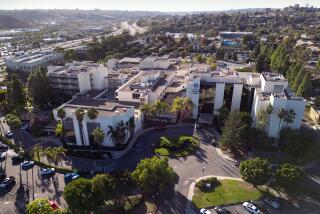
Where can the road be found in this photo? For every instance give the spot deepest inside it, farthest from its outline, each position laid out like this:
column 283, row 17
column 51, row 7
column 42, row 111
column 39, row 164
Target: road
column 187, row 168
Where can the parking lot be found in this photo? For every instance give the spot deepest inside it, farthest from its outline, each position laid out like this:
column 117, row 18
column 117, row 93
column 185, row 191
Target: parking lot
column 29, row 186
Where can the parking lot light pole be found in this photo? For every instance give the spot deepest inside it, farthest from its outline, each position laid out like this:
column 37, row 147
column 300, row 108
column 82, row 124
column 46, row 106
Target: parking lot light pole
column 203, row 169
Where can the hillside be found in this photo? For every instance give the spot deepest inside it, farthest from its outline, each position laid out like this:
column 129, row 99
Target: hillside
column 8, row 22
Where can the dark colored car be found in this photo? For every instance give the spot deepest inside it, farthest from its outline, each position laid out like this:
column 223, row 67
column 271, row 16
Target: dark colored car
column 26, row 165
column 7, row 183
column 9, row 134
column 70, row 177
column 221, row 210
column 17, row 159
column 3, row 147
column 47, row 172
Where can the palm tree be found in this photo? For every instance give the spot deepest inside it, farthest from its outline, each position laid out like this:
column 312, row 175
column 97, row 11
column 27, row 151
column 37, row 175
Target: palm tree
column 37, row 151
column 61, row 114
column 114, row 135
column 281, row 115
column 223, row 114
column 123, row 128
column 262, row 118
column 290, row 116
column 50, row 154
column 146, row 110
column 98, row 136
column 131, row 125
column 92, row 113
column 269, row 111
column 177, row 107
column 59, row 152
column 187, row 105
column 160, row 106
column 80, row 115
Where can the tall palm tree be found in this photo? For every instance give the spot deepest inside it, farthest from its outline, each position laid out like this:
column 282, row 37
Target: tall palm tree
column 59, row 154
column 80, row 115
column 123, row 128
column 146, row 110
column 281, row 115
column 290, row 116
column 37, row 151
column 50, row 154
column 160, row 107
column 92, row 113
column 269, row 111
column 98, row 136
column 177, row 107
column 187, row 106
column 262, row 118
column 61, row 114
column 114, row 135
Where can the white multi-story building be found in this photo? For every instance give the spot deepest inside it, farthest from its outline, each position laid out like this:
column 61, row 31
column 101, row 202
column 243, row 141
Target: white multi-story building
column 145, row 87
column 211, row 90
column 109, row 114
column 78, row 76
column 32, row 61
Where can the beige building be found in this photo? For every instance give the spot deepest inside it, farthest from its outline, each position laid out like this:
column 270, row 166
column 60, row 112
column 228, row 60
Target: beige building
column 314, row 114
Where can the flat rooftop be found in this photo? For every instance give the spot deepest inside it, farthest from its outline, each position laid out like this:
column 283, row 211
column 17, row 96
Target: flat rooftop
column 34, row 57
column 73, row 68
column 273, row 77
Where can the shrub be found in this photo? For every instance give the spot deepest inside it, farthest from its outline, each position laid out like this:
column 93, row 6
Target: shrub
column 203, row 184
column 165, row 142
column 288, row 175
column 255, row 171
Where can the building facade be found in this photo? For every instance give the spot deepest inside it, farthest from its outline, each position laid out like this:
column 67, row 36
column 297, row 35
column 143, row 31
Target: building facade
column 32, row 61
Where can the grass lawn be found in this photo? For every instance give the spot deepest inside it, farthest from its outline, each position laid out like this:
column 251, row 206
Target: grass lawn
column 178, row 147
column 228, row 192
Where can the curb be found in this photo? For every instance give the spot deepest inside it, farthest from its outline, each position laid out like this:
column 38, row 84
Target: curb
column 192, row 185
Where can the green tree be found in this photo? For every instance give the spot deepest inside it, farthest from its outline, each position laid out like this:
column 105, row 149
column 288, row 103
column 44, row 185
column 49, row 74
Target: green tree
column 318, row 66
column 288, row 175
column 181, row 106
column 13, row 121
column 80, row 116
column 16, row 95
column 114, row 134
column 146, row 110
column 305, row 87
column 281, row 115
column 79, row 196
column 160, row 107
column 220, row 54
column 39, row 206
column 59, row 129
column 39, row 88
column 255, row 171
column 103, row 187
column 153, row 175
column 98, row 137
column 235, row 133
column 36, row 152
column 92, row 113
column 223, row 114
column 260, row 63
column 61, row 114
column 297, row 80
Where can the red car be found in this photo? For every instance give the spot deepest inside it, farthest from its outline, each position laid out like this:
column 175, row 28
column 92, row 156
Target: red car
column 53, row 204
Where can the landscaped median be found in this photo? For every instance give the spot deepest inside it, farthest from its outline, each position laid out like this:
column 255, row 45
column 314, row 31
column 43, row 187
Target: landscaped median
column 178, row 147
column 213, row 192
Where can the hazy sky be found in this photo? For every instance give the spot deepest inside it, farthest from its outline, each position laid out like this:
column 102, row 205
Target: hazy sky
column 154, row 5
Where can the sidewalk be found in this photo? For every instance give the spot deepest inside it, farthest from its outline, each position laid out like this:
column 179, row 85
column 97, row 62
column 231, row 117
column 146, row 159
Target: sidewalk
column 189, row 209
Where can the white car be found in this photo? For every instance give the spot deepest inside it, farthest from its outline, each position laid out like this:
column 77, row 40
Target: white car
column 316, row 127
column 204, row 211
column 251, row 208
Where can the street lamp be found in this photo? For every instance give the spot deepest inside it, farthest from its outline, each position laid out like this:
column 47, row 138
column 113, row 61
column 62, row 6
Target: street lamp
column 203, row 168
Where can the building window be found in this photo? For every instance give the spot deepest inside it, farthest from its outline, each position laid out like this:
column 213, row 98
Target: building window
column 135, row 95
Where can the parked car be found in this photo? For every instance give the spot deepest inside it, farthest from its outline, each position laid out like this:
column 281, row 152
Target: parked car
column 316, row 127
column 25, row 127
column 54, row 205
column 9, row 134
column 251, row 208
column 26, row 165
column 7, row 183
column 47, row 172
column 204, row 211
column 17, row 159
column 70, row 177
column 3, row 146
column 2, row 156
column 272, row 202
column 221, row 210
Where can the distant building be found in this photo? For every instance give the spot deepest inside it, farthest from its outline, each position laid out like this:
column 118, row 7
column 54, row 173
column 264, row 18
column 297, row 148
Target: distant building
column 32, row 61
column 78, row 76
